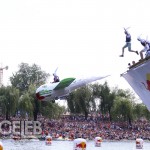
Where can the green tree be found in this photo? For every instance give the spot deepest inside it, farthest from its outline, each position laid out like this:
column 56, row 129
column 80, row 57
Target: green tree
column 27, row 75
column 125, row 93
column 107, row 99
column 80, row 100
column 9, row 97
column 71, row 102
column 52, row 110
column 146, row 113
column 105, row 95
column 25, row 106
column 96, row 90
column 141, row 111
column 27, row 79
column 36, row 104
column 123, row 109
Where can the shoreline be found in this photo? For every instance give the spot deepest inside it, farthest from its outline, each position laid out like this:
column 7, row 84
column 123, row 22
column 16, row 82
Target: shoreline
column 54, row 139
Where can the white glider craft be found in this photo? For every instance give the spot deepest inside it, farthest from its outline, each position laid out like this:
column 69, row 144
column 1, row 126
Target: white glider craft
column 59, row 90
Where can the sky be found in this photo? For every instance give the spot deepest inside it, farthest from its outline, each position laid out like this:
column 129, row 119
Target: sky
column 80, row 37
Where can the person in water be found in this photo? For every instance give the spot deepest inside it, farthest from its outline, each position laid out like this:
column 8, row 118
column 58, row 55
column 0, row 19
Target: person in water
column 128, row 44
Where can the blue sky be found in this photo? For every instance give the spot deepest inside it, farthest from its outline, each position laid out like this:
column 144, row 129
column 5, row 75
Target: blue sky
column 81, row 37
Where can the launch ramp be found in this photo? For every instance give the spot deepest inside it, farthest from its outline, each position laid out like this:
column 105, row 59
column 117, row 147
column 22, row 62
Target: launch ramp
column 138, row 76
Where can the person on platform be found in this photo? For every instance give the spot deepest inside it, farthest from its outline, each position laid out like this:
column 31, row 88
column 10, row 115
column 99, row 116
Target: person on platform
column 146, row 48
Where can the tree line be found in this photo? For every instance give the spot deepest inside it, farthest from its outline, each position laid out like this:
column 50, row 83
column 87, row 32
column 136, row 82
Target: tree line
column 18, row 99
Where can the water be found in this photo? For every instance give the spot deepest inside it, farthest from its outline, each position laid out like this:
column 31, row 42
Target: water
column 68, row 145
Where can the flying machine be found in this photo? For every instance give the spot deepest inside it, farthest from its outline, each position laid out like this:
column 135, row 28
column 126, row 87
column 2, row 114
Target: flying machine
column 61, row 89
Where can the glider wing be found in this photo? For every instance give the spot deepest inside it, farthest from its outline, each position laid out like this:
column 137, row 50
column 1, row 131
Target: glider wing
column 82, row 82
column 64, row 83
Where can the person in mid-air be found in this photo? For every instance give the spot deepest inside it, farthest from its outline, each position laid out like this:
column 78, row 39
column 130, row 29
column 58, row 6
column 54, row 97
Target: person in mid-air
column 128, row 44
column 56, row 78
column 146, row 48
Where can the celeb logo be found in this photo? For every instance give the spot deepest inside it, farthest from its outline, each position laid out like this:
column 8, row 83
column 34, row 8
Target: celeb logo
column 21, row 127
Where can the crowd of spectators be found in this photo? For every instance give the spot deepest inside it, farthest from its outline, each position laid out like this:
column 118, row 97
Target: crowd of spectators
column 72, row 127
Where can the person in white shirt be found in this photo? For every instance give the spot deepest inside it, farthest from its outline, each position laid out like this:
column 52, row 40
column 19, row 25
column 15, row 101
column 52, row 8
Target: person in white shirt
column 145, row 49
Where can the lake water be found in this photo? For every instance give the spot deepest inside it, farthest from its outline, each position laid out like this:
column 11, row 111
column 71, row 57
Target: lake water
column 68, row 145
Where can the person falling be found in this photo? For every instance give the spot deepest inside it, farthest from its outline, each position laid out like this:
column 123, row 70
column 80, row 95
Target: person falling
column 128, row 44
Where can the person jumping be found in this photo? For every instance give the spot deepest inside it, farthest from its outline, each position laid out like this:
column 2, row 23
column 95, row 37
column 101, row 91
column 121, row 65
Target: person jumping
column 128, row 44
